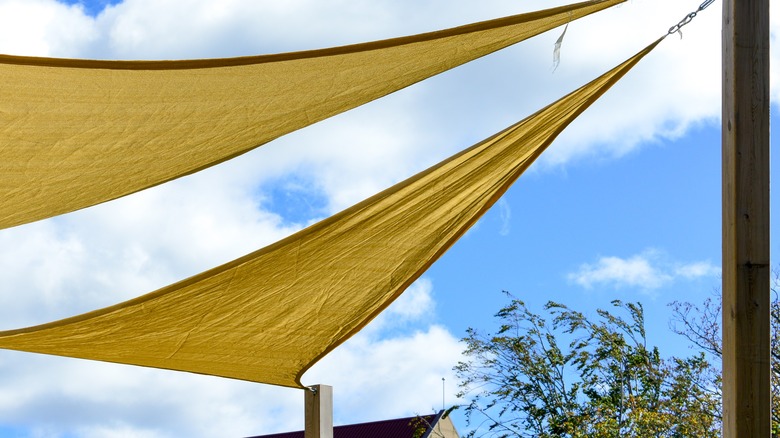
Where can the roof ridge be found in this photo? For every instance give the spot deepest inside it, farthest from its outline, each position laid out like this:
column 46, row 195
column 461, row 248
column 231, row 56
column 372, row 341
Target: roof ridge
column 430, row 420
column 435, row 415
column 432, row 423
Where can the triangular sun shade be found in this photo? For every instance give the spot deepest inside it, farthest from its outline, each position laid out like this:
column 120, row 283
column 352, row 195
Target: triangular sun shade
column 268, row 316
column 75, row 133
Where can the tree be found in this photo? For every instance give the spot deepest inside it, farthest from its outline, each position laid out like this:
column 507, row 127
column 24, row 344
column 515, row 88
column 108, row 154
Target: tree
column 701, row 326
column 605, row 382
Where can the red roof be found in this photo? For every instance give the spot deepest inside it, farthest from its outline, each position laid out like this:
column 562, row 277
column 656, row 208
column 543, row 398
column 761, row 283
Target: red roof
column 397, row 428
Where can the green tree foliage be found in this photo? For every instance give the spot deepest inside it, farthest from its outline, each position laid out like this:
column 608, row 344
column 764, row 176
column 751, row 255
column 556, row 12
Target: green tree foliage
column 602, row 380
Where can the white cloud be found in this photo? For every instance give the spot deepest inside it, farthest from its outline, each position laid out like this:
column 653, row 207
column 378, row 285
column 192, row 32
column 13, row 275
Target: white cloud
column 416, row 302
column 505, row 215
column 43, row 28
column 697, row 270
column 635, row 271
column 67, row 397
column 646, row 271
column 383, row 378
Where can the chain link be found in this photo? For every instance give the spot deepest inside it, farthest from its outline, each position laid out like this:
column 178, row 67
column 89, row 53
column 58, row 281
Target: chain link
column 688, row 18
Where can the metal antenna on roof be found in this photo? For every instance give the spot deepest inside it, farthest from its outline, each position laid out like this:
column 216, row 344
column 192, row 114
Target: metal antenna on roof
column 442, row 393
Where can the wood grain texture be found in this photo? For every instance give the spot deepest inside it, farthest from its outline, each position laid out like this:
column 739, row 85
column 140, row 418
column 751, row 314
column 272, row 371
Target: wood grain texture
column 746, row 270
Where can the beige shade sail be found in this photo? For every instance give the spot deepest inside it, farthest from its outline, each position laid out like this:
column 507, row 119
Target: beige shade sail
column 75, row 133
column 268, row 316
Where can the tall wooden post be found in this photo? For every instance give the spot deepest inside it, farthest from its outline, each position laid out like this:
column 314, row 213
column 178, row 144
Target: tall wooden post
column 318, row 406
column 746, row 270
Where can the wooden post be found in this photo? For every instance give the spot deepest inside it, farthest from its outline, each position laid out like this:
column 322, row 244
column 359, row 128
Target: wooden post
column 318, row 406
column 746, row 270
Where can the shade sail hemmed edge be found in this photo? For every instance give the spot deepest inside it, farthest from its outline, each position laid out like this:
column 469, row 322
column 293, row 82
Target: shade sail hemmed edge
column 623, row 68
column 10, row 339
column 97, row 155
column 187, row 64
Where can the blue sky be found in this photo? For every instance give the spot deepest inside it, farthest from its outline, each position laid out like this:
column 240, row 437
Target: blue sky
column 92, row 7
column 625, row 205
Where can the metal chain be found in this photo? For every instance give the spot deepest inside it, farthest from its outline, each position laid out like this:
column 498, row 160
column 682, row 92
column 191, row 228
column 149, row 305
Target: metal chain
column 688, row 18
